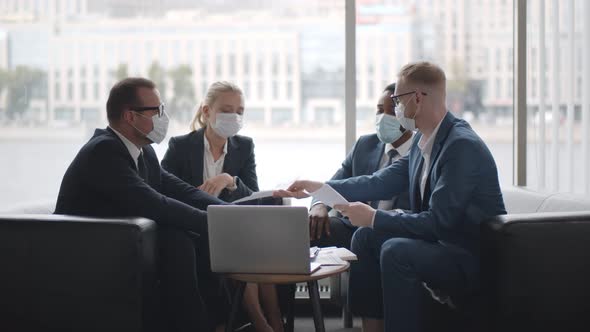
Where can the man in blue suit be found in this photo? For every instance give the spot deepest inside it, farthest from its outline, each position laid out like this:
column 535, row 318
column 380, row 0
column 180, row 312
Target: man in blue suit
column 453, row 185
column 369, row 154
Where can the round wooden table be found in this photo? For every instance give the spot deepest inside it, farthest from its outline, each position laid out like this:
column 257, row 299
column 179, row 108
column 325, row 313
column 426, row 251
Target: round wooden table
column 312, row 286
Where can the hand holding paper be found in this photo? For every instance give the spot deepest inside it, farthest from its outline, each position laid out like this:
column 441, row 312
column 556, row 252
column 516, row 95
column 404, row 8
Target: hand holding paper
column 328, row 196
column 359, row 214
column 319, row 191
column 299, row 189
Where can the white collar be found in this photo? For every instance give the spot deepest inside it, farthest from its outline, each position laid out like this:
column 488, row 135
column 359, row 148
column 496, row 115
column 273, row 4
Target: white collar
column 403, row 149
column 134, row 151
column 426, row 147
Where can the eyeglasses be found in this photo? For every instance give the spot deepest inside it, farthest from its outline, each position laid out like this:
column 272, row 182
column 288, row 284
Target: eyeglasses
column 395, row 98
column 160, row 109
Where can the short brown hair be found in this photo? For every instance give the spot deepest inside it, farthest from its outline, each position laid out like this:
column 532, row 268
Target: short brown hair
column 422, row 72
column 124, row 94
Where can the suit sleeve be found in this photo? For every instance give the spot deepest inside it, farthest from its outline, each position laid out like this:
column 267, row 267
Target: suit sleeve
column 117, row 179
column 381, row 185
column 459, row 173
column 246, row 180
column 171, row 160
column 184, row 192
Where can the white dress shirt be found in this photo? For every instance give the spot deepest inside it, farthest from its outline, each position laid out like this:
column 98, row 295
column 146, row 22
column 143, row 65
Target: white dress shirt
column 425, row 147
column 134, row 151
column 402, row 151
column 212, row 168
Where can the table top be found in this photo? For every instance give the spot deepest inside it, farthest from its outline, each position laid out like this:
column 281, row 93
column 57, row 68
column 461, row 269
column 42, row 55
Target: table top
column 264, row 278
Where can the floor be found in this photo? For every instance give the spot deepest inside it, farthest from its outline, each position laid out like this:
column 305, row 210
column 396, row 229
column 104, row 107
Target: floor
column 305, row 324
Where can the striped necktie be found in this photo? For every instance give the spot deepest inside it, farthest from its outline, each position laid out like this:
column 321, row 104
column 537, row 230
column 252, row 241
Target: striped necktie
column 391, row 154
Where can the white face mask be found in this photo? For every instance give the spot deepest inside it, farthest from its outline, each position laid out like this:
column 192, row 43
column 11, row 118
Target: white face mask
column 160, row 129
column 227, row 124
column 400, row 114
column 387, row 128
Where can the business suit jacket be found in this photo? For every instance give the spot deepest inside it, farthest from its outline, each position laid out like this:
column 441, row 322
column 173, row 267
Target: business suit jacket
column 364, row 159
column 185, row 159
column 103, row 181
column 462, row 189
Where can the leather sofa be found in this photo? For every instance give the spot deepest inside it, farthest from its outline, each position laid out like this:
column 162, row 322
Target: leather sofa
column 63, row 273
column 536, row 263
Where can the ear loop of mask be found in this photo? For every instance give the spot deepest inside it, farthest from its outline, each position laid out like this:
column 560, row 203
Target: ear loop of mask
column 143, row 116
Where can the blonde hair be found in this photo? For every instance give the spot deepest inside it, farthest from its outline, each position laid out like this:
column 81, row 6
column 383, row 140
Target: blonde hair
column 211, row 96
column 423, row 72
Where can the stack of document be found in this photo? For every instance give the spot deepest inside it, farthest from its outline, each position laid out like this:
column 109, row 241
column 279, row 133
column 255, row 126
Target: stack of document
column 331, row 256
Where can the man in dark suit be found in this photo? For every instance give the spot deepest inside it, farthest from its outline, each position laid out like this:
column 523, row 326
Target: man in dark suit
column 453, row 187
column 369, row 154
column 117, row 174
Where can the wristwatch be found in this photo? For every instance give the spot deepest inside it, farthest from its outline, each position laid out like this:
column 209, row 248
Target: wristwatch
column 234, row 186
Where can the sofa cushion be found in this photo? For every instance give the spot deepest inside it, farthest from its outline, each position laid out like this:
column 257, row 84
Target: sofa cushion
column 36, row 207
column 565, row 202
column 522, row 200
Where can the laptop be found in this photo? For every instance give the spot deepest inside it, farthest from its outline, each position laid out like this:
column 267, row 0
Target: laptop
column 259, row 239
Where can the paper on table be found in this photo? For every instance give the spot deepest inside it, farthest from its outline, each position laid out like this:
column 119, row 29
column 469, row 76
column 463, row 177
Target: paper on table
column 328, row 196
column 327, row 260
column 342, row 253
column 255, row 195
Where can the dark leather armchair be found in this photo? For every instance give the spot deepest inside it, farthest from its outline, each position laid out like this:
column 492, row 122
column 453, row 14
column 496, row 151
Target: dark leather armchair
column 64, row 273
column 536, row 263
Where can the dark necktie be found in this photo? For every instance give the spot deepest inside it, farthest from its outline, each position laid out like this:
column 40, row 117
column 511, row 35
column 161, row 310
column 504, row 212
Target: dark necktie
column 141, row 166
column 417, row 195
column 391, row 154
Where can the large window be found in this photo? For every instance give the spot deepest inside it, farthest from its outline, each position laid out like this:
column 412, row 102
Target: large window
column 558, row 95
column 57, row 65
column 471, row 40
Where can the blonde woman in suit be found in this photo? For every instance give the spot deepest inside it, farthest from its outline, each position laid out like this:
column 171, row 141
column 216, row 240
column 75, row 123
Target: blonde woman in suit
column 213, row 158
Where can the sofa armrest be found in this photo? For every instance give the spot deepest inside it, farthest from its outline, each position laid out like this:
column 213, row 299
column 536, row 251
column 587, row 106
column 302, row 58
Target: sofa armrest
column 68, row 273
column 536, row 268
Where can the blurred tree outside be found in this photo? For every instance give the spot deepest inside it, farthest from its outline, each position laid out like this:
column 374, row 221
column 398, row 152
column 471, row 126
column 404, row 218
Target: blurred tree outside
column 121, row 72
column 18, row 87
column 157, row 74
column 183, row 101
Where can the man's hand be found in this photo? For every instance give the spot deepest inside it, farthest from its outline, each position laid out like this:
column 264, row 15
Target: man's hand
column 298, row 189
column 319, row 222
column 359, row 214
column 216, row 184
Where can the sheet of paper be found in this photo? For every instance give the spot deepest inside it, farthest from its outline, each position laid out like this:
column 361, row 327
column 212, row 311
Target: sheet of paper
column 255, row 195
column 342, row 253
column 327, row 260
column 328, row 196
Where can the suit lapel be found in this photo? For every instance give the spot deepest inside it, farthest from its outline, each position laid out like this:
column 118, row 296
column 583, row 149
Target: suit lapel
column 375, row 157
column 112, row 133
column 231, row 157
column 441, row 136
column 196, row 156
